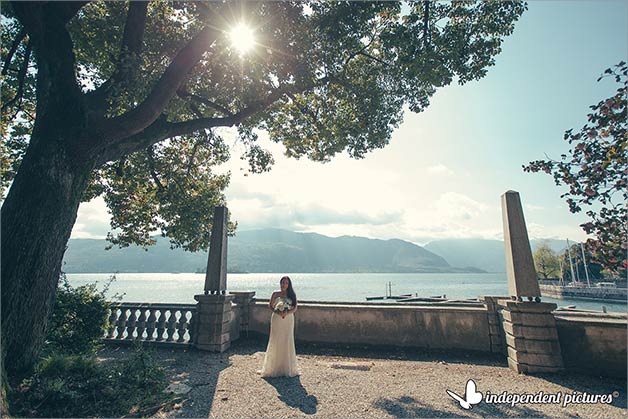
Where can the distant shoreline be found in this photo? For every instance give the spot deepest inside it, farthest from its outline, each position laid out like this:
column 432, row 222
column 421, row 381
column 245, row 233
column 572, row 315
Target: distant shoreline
column 286, row 272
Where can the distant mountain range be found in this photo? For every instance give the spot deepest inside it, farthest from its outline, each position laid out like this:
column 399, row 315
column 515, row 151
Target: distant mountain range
column 268, row 250
column 274, row 250
column 488, row 255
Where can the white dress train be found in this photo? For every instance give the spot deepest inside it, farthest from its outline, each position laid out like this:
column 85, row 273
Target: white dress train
column 281, row 358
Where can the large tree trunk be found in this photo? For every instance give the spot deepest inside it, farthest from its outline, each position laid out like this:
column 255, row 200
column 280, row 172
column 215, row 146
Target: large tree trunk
column 37, row 220
column 41, row 206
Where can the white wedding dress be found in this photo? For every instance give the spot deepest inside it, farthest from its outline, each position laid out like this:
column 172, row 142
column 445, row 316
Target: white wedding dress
column 281, row 357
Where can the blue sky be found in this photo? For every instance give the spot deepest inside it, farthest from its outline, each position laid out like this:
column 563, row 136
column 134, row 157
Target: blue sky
column 444, row 170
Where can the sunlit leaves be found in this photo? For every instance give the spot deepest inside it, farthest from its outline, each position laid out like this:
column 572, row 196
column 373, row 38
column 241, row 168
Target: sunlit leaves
column 546, row 262
column 170, row 188
column 348, row 70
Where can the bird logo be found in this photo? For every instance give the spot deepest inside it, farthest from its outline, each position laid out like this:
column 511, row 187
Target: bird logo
column 471, row 396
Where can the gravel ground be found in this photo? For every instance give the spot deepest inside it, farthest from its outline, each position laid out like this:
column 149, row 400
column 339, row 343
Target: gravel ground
column 345, row 382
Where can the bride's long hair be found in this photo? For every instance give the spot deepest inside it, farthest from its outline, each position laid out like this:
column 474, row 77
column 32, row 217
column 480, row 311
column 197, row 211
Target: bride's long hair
column 290, row 290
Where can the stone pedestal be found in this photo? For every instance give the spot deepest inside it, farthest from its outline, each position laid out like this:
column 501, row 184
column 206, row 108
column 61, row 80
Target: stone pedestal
column 243, row 300
column 212, row 323
column 496, row 333
column 531, row 337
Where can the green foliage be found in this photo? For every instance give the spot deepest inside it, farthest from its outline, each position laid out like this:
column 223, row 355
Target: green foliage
column 546, row 261
column 169, row 187
column 69, row 381
column 80, row 386
column 595, row 173
column 18, row 102
column 324, row 78
column 79, row 319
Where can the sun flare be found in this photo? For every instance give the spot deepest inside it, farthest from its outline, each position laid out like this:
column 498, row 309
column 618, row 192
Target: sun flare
column 242, row 38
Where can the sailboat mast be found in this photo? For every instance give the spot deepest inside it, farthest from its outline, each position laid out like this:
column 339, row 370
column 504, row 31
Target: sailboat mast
column 573, row 276
column 584, row 261
column 562, row 273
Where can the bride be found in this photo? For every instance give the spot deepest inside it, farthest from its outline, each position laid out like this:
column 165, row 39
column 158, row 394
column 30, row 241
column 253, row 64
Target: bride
column 281, row 358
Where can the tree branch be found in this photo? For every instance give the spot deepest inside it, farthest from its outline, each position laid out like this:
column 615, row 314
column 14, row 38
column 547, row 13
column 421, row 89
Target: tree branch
column 22, row 78
column 16, row 43
column 131, row 47
column 183, row 94
column 150, row 109
column 192, row 157
column 161, row 129
column 37, row 17
column 51, row 42
column 308, row 112
column 426, row 24
column 182, row 128
column 151, row 165
column 68, row 9
column 379, row 60
column 133, row 36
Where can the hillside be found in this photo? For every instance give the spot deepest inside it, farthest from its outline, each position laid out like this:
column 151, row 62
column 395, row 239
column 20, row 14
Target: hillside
column 269, row 250
column 483, row 254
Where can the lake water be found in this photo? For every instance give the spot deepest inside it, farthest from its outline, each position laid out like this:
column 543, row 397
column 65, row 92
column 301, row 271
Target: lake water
column 181, row 288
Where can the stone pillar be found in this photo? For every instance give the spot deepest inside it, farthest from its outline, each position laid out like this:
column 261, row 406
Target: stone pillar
column 212, row 322
column 216, row 275
column 495, row 330
column 244, row 299
column 213, row 311
column 522, row 280
column 531, row 336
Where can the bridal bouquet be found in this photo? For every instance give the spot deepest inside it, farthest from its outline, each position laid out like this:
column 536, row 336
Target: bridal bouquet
column 281, row 306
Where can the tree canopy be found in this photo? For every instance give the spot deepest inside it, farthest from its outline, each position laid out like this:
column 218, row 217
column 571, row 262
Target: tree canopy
column 157, row 79
column 595, row 170
column 123, row 99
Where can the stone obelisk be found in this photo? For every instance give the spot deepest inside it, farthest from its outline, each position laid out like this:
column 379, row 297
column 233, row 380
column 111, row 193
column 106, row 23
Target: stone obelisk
column 522, row 280
column 529, row 326
column 216, row 274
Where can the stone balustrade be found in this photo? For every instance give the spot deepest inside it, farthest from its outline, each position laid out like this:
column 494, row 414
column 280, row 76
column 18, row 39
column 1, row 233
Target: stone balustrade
column 170, row 324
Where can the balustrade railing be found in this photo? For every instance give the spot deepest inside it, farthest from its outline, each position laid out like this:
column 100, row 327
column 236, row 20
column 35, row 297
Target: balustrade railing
column 151, row 322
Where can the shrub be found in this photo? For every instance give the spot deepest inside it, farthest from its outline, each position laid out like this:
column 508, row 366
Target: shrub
column 79, row 319
column 65, row 385
column 68, row 381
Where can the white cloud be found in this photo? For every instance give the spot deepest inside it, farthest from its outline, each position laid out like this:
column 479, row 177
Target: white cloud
column 555, row 231
column 532, row 207
column 440, row 169
column 92, row 221
column 454, row 205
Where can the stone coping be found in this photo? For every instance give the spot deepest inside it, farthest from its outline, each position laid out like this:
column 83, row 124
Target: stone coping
column 370, row 305
column 129, row 304
column 591, row 319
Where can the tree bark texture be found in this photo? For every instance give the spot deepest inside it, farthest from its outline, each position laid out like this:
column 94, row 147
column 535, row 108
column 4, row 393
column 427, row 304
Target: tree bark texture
column 42, row 204
column 37, row 220
column 71, row 138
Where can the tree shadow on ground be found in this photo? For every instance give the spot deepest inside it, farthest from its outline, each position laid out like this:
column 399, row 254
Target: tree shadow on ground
column 194, row 375
column 409, row 407
column 293, row 394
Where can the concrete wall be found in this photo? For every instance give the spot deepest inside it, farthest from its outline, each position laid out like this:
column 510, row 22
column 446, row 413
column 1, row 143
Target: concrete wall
column 414, row 326
column 610, row 295
column 590, row 342
column 593, row 343
column 235, row 322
